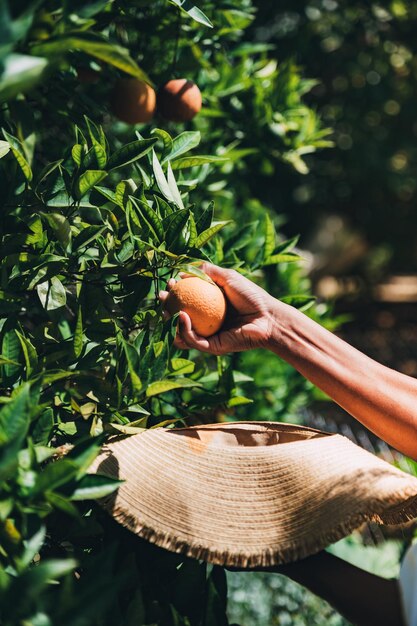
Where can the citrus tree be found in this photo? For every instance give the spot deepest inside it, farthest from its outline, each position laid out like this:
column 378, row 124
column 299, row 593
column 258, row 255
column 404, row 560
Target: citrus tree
column 96, row 215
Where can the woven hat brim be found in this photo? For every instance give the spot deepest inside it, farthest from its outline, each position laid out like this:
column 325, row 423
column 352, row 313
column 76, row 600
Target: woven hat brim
column 250, row 505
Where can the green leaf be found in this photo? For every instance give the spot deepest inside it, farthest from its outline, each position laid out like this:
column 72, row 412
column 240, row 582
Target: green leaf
column 164, row 209
column 162, row 182
column 130, row 152
column 55, row 475
column 108, row 194
column 182, row 366
column 162, row 386
column 19, row 73
column 84, row 453
column 98, row 140
column 11, row 352
column 193, row 231
column 4, row 148
column 18, row 152
column 174, row 225
column 287, row 245
column 289, row 257
column 126, row 429
column 194, row 161
column 62, row 504
column 300, row 301
column 42, row 428
column 174, row 188
column 206, row 235
column 204, row 218
column 78, row 334
column 95, row 486
column 29, row 352
column 183, row 143
column 164, row 136
column 52, row 294
column 194, row 12
column 150, row 216
column 77, row 153
column 238, row 401
column 95, row 46
column 269, row 244
column 132, row 358
column 60, row 226
column 14, row 417
column 87, row 180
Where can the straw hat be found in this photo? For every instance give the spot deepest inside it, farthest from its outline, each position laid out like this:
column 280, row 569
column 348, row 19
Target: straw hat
column 250, row 494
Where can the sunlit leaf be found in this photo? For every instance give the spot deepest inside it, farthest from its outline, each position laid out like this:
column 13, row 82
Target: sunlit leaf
column 162, row 386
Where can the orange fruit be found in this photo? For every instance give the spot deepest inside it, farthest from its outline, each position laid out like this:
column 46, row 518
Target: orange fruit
column 179, row 100
column 203, row 301
column 133, row 101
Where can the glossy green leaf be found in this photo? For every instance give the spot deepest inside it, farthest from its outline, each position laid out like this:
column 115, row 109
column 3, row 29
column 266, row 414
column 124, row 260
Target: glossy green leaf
column 77, row 152
column 19, row 73
column 183, row 143
column 95, row 46
column 87, row 181
column 55, row 475
column 160, row 178
column 60, row 226
column 288, row 257
column 52, row 294
column 4, row 148
column 269, row 244
column 165, row 137
column 11, row 351
column 78, row 334
column 151, row 218
column 174, row 187
column 194, row 12
column 19, row 154
column 195, row 161
column 130, row 152
column 132, row 359
column 29, row 352
column 203, row 218
column 182, row 366
column 162, row 386
column 206, row 235
column 14, row 416
column 95, row 486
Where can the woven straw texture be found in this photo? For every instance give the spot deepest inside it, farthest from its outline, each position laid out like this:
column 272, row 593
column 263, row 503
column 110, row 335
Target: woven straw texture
column 250, row 494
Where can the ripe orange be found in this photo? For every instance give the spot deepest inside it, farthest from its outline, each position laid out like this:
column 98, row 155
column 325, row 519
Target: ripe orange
column 203, row 301
column 133, row 101
column 179, row 100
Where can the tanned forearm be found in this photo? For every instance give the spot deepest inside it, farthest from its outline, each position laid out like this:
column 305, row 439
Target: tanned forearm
column 384, row 400
column 362, row 598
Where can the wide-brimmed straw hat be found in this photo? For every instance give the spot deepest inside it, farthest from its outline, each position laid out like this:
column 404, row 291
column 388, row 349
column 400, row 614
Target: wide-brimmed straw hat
column 250, row 494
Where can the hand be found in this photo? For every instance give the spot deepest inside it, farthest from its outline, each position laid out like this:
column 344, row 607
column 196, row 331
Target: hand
column 249, row 319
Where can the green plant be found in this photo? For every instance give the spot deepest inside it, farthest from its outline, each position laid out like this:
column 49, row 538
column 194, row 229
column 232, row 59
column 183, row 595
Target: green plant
column 94, row 219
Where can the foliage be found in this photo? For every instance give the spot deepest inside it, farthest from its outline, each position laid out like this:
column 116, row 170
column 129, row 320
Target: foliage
column 95, row 217
column 364, row 56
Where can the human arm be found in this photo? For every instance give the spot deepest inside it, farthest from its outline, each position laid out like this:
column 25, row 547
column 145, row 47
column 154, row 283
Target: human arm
column 362, row 598
column 384, row 400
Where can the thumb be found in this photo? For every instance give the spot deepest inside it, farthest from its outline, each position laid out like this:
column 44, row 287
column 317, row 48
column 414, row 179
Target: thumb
column 220, row 275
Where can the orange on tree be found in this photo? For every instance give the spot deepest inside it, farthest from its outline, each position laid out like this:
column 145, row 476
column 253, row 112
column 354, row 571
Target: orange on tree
column 133, row 101
column 203, row 301
column 179, row 100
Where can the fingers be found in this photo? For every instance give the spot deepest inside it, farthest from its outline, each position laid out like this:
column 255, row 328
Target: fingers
column 220, row 275
column 188, row 336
